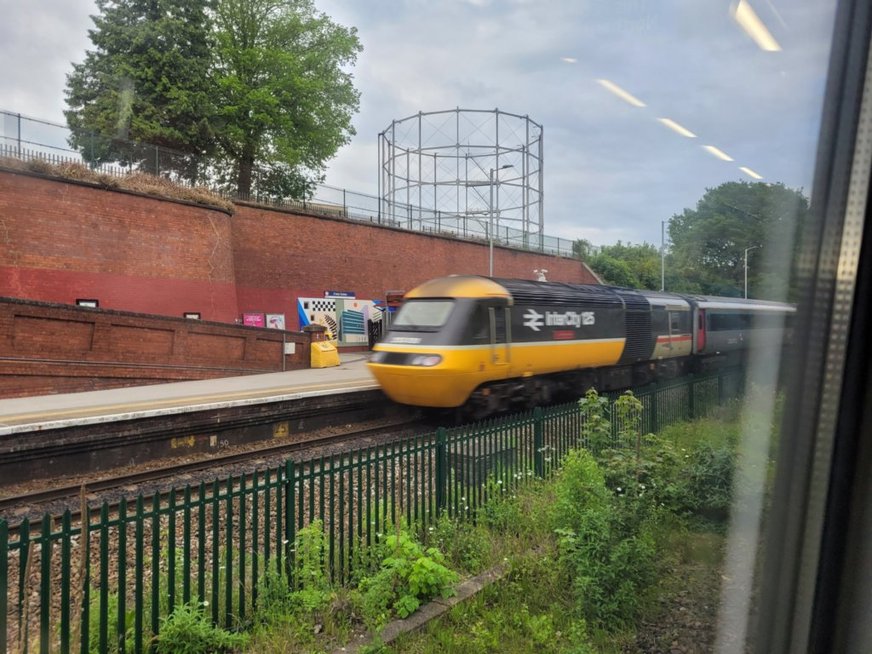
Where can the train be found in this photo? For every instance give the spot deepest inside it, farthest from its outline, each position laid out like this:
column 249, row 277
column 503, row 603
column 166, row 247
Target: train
column 486, row 345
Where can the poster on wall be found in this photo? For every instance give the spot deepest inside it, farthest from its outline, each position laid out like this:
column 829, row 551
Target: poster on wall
column 275, row 320
column 253, row 319
column 348, row 320
column 318, row 311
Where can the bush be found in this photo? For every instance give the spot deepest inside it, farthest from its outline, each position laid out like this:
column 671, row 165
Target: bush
column 608, row 561
column 407, row 576
column 188, row 630
column 707, row 484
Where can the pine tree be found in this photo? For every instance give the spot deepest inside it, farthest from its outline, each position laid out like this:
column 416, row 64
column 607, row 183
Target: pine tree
column 147, row 80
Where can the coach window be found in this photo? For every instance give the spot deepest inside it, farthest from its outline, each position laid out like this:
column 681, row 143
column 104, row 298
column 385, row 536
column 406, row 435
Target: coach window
column 675, row 322
column 659, row 321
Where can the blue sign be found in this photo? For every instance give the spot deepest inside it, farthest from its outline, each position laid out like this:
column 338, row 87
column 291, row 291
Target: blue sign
column 340, row 294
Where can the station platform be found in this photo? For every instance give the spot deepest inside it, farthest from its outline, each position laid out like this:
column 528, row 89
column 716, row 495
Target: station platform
column 49, row 412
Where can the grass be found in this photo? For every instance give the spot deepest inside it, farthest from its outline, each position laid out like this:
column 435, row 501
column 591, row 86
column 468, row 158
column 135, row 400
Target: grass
column 137, row 182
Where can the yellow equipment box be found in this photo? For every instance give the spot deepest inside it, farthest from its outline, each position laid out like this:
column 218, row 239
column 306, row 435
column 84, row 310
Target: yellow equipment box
column 324, row 354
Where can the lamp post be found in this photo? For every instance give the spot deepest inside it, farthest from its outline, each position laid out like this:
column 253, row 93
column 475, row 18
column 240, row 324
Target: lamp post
column 662, row 255
column 753, row 247
column 490, row 177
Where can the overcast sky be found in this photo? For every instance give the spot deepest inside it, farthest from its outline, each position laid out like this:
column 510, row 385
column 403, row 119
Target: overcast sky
column 612, row 171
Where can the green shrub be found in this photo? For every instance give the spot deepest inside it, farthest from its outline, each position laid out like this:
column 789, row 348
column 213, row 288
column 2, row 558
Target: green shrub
column 580, row 490
column 707, row 484
column 608, row 561
column 596, row 427
column 188, row 630
column 407, row 576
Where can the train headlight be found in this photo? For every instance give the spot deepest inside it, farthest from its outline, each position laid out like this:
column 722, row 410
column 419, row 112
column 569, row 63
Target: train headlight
column 426, row 360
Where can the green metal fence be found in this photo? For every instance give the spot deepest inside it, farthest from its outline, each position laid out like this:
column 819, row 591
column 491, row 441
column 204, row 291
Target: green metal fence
column 101, row 579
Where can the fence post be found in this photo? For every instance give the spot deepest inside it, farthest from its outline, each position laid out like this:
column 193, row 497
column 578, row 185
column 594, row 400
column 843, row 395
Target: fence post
column 538, row 443
column 4, row 581
column 441, row 470
column 344, row 205
column 653, row 413
column 290, row 522
column 691, row 405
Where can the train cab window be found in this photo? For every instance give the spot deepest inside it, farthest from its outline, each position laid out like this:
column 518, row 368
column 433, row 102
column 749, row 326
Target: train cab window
column 423, row 315
column 479, row 325
column 498, row 324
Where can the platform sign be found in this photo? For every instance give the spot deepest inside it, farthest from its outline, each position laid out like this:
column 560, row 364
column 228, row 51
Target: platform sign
column 253, row 319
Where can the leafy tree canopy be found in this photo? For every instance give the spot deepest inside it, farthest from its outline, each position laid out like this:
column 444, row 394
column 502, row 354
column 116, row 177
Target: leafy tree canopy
column 708, row 243
column 251, row 92
column 284, row 98
column 623, row 264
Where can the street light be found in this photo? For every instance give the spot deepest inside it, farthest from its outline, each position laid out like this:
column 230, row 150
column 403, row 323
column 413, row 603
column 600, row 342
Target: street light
column 662, row 255
column 753, row 247
column 490, row 177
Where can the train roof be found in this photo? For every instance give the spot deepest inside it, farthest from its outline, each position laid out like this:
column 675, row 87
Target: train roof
column 714, row 302
column 459, row 286
column 559, row 293
column 529, row 291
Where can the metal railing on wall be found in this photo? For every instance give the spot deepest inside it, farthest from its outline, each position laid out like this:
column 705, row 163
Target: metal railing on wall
column 33, row 139
column 102, row 580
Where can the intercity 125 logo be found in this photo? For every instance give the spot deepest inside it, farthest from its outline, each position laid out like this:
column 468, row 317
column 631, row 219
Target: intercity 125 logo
column 535, row 320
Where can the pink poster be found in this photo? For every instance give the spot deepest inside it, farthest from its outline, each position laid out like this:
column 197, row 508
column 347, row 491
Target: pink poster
column 253, row 320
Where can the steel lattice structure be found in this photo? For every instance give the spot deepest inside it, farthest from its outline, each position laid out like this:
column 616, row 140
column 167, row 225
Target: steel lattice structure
column 465, row 171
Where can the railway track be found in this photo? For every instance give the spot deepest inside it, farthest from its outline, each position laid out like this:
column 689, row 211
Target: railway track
column 32, row 500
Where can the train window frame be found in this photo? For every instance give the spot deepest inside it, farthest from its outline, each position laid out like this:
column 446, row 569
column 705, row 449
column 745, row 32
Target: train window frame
column 814, row 585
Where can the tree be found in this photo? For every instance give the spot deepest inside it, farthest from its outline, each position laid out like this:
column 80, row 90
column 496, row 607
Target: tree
column 284, row 101
column 622, row 264
column 708, row 243
column 583, row 249
column 146, row 81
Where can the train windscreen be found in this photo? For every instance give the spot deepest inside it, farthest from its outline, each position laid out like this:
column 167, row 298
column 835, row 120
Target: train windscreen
column 423, row 315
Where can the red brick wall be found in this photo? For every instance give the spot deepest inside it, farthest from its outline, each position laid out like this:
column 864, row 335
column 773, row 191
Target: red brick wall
column 281, row 256
column 62, row 241
column 46, row 348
